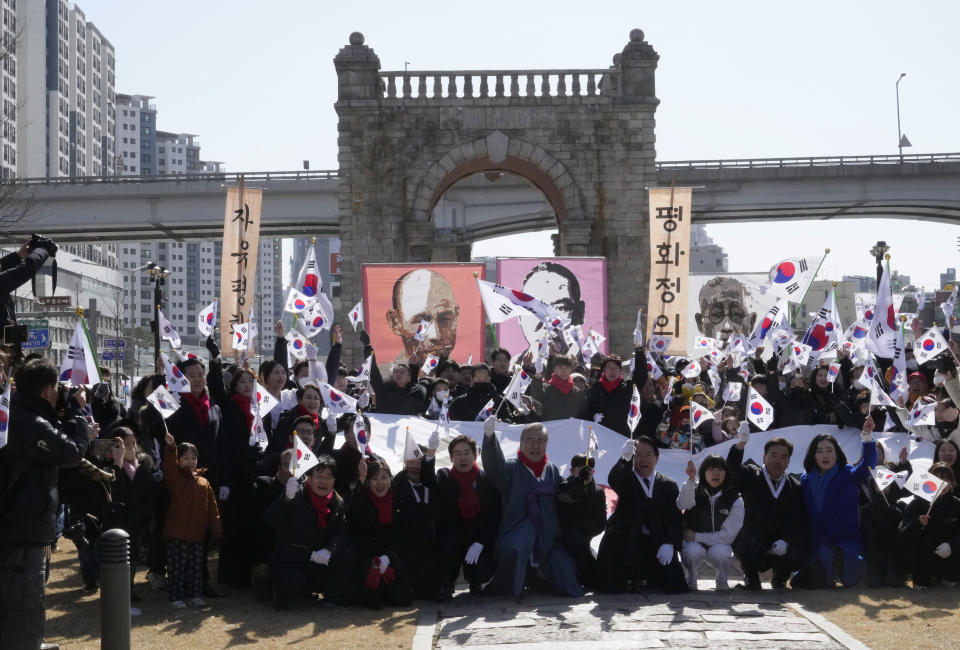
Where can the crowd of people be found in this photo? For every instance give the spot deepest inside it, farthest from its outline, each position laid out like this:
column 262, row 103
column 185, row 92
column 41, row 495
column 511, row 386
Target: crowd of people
column 78, row 462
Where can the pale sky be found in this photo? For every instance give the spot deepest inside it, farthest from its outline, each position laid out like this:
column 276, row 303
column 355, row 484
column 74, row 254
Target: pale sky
column 735, row 80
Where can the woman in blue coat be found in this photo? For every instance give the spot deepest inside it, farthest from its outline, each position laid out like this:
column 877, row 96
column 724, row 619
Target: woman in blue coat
column 831, row 493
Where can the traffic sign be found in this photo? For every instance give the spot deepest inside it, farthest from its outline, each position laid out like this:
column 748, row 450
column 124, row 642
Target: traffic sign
column 111, row 355
column 58, row 301
column 38, row 334
column 114, row 343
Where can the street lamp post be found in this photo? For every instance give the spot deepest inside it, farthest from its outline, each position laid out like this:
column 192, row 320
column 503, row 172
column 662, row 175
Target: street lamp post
column 878, row 251
column 132, row 297
column 902, row 140
column 158, row 274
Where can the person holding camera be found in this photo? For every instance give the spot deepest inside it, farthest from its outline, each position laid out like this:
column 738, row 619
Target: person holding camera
column 39, row 444
column 582, row 508
column 15, row 270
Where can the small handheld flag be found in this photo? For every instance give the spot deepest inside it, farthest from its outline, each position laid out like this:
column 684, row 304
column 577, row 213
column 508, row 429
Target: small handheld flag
column 5, row 414
column 633, row 413
column 167, row 330
column 356, row 315
column 485, row 412
column 303, row 458
column 411, row 451
column 337, row 402
column 759, row 410
column 176, row 382
column 206, row 319
column 699, row 414
column 162, row 400
column 925, row 485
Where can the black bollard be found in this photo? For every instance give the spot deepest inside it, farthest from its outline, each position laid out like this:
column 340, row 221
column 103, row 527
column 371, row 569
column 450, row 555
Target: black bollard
column 115, row 590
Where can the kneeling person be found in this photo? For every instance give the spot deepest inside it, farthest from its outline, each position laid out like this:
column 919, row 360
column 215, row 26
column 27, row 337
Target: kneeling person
column 582, row 507
column 312, row 554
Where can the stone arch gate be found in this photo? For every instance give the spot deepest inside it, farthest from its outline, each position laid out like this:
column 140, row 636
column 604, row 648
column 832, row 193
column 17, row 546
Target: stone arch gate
column 584, row 137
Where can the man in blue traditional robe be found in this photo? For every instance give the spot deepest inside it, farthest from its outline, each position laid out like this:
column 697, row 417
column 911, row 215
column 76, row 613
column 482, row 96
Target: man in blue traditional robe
column 529, row 534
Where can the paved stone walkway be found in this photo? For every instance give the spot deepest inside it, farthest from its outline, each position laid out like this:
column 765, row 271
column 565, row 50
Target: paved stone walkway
column 703, row 619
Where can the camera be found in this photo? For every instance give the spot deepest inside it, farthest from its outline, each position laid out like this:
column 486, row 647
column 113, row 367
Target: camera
column 64, row 393
column 39, row 241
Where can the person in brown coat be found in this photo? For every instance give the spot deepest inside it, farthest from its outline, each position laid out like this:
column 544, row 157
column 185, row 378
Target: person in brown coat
column 191, row 517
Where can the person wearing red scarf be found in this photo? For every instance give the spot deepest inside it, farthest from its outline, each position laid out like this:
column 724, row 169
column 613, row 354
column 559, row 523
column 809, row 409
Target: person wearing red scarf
column 312, row 553
column 608, row 399
column 468, row 507
column 376, row 533
column 559, row 397
column 529, row 527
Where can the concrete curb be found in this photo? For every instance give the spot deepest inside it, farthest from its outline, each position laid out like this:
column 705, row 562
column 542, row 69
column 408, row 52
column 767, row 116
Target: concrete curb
column 834, row 631
column 426, row 628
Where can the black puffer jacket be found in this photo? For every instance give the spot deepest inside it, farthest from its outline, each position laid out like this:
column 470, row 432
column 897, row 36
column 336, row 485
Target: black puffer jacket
column 37, row 447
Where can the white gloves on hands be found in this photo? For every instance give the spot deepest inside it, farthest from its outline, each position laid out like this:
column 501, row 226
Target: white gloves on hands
column 224, row 493
column 364, row 400
column 473, row 553
column 321, row 557
column 490, row 425
column 778, row 548
column 943, row 551
column 597, row 417
column 434, row 440
column 332, row 423
column 665, row 554
column 384, row 563
column 629, row 449
column 292, row 487
column 743, row 432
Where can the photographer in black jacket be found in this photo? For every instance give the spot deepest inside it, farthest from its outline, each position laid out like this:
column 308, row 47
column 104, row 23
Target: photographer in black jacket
column 37, row 447
column 15, row 270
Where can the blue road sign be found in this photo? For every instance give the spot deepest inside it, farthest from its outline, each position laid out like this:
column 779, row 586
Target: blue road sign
column 110, row 355
column 38, row 334
column 114, row 343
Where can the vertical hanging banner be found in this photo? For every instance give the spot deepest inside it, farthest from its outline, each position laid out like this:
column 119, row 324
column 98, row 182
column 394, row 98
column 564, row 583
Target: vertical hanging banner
column 669, row 265
column 238, row 262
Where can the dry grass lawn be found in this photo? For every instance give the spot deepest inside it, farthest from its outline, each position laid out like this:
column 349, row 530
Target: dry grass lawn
column 237, row 621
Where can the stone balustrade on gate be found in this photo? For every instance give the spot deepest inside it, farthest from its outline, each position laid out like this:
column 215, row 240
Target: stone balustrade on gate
column 540, row 85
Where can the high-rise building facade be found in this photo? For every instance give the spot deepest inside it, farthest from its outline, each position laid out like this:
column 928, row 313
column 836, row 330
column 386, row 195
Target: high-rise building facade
column 59, row 79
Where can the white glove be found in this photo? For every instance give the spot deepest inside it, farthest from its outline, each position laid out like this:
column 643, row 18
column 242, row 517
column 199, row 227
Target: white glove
column 743, row 432
column 433, row 441
column 943, row 551
column 292, row 487
column 384, row 563
column 473, row 553
column 490, row 425
column 321, row 557
column 597, row 417
column 311, row 352
column 665, row 554
column 224, row 493
column 866, row 436
column 778, row 548
column 332, row 423
column 629, row 449
column 364, row 400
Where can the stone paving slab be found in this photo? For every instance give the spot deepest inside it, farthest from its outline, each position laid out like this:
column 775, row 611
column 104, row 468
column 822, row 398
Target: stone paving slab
column 702, row 619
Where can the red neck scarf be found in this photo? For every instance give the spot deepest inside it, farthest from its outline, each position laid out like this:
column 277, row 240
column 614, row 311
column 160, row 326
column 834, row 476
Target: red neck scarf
column 469, row 502
column 320, row 504
column 536, row 468
column 315, row 416
column 384, row 506
column 200, row 406
column 610, row 386
column 564, row 386
column 244, row 404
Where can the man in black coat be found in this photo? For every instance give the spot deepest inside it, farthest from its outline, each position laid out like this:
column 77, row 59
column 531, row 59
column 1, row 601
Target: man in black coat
column 38, row 445
column 197, row 421
column 773, row 527
column 266, row 490
column 500, row 371
column 15, row 270
column 643, row 535
column 417, row 503
column 466, row 407
column 582, row 508
column 468, row 520
column 608, row 399
column 312, row 554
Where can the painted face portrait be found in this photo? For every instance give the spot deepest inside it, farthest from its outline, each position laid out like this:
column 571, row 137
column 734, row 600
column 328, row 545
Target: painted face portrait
column 557, row 286
column 424, row 295
column 723, row 310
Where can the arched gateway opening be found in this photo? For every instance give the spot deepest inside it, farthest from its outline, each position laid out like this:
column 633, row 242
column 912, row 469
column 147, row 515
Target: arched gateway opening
column 578, row 140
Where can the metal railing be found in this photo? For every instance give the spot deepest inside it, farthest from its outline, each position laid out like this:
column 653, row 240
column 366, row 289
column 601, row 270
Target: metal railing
column 482, row 84
column 813, row 161
column 203, row 177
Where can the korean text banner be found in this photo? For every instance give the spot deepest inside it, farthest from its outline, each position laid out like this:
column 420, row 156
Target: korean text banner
column 399, row 298
column 238, row 263
column 575, row 286
column 669, row 265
